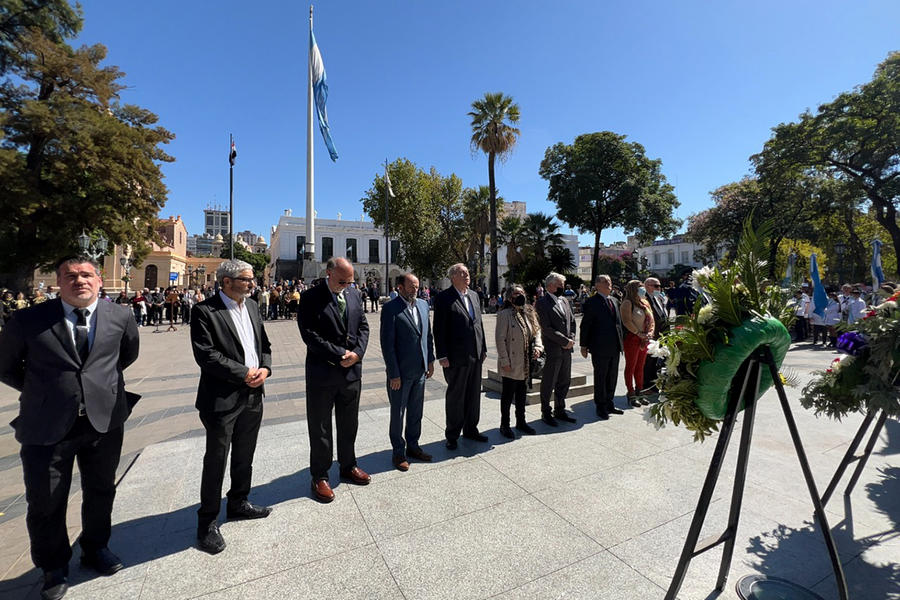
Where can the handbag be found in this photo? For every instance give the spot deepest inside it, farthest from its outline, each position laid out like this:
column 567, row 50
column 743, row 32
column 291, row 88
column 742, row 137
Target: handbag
column 536, row 367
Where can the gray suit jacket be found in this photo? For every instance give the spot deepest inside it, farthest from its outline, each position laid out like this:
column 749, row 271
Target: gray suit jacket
column 557, row 324
column 407, row 349
column 38, row 358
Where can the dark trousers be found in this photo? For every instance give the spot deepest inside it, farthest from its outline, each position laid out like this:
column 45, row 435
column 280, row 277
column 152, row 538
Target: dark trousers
column 819, row 331
column 463, row 399
column 321, row 400
column 606, row 371
column 408, row 401
column 48, row 477
column 556, row 379
column 237, row 430
column 801, row 329
column 652, row 365
column 513, row 391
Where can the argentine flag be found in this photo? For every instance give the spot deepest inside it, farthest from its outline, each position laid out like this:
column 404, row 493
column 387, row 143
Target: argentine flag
column 820, row 298
column 877, row 273
column 320, row 92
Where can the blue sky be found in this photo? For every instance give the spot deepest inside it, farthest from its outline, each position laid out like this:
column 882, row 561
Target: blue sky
column 699, row 84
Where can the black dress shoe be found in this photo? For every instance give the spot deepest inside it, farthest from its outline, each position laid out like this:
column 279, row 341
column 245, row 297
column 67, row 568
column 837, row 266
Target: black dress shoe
column 56, row 584
column 476, row 437
column 561, row 415
column 419, row 454
column 549, row 420
column 103, row 561
column 526, row 429
column 245, row 510
column 210, row 540
column 451, row 444
column 506, row 432
column 602, row 415
column 615, row 411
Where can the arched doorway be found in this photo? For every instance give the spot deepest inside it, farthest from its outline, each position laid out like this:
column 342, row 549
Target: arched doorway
column 151, row 275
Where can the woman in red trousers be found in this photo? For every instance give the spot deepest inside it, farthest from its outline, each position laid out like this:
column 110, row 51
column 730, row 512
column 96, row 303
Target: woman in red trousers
column 637, row 318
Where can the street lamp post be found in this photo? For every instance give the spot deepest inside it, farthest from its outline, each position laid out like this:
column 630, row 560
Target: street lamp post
column 197, row 273
column 840, row 248
column 93, row 249
column 126, row 263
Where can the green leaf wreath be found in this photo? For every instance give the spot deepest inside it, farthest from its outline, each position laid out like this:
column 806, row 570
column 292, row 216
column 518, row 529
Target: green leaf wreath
column 866, row 378
column 730, row 296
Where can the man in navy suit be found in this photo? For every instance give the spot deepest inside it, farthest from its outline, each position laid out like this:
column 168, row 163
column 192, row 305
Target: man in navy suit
column 66, row 357
column 408, row 349
column 601, row 336
column 334, row 327
column 461, row 349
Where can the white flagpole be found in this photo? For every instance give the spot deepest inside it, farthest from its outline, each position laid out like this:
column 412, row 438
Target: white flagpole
column 310, row 204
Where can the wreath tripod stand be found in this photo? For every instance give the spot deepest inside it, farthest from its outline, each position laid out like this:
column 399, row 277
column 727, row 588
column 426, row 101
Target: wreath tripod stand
column 850, row 456
column 752, row 371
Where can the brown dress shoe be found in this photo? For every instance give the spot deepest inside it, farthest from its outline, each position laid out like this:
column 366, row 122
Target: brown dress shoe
column 419, row 454
column 401, row 464
column 322, row 491
column 357, row 476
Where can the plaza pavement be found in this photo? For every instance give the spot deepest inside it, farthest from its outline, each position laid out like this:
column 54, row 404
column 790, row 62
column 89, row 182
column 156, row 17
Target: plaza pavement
column 591, row 510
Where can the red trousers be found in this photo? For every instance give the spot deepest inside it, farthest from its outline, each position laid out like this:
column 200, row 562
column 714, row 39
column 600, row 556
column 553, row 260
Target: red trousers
column 635, row 356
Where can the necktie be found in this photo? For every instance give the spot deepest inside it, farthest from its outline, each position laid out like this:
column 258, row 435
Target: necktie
column 342, row 305
column 81, row 333
column 469, row 306
column 610, row 304
column 414, row 313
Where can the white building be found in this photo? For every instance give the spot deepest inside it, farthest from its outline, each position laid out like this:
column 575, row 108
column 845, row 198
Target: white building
column 359, row 241
column 662, row 255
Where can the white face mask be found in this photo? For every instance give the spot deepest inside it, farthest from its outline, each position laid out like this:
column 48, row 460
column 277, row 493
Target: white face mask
column 642, row 292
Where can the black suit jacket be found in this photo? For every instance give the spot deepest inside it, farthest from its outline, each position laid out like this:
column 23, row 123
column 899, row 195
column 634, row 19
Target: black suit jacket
column 218, row 351
column 660, row 316
column 328, row 337
column 457, row 337
column 601, row 328
column 38, row 358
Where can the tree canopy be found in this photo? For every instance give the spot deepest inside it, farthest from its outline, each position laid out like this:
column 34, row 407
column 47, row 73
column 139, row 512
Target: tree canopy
column 602, row 181
column 72, row 157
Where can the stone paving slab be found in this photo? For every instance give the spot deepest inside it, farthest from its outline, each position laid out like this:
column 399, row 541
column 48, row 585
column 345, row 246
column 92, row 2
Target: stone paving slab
column 590, row 510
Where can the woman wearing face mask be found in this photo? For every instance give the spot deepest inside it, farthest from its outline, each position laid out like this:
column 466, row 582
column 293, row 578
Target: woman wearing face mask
column 637, row 318
column 518, row 338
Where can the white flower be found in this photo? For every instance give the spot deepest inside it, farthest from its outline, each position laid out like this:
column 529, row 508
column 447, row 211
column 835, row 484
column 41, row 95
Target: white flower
column 698, row 278
column 706, row 315
column 887, row 306
column 654, row 348
column 841, row 362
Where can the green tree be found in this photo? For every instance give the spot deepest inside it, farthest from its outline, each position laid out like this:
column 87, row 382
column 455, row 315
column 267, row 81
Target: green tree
column 542, row 250
column 602, row 181
column 259, row 262
column 426, row 215
column 72, row 157
column 55, row 19
column 493, row 132
column 477, row 213
column 511, row 234
column 857, row 138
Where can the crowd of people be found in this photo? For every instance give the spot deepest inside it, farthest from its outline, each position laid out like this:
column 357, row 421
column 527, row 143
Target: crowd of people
column 66, row 355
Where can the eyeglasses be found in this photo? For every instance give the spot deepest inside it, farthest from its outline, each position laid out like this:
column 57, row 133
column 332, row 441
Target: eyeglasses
column 244, row 279
column 344, row 282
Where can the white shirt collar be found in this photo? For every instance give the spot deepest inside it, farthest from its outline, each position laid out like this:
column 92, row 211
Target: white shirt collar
column 68, row 308
column 229, row 303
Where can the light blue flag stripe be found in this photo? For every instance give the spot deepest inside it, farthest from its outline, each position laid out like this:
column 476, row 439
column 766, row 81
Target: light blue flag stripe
column 877, row 272
column 320, row 93
column 820, row 298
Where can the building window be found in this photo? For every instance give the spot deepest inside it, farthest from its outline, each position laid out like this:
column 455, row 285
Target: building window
column 327, row 248
column 351, row 250
column 670, row 257
column 301, row 246
column 685, row 258
column 151, row 275
column 373, row 251
column 395, row 251
column 656, row 259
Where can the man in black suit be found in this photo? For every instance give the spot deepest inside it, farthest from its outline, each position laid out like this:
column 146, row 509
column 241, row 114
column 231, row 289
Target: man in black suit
column 334, row 327
column 235, row 359
column 66, row 357
column 601, row 335
column 558, row 333
column 407, row 345
column 661, row 325
column 461, row 348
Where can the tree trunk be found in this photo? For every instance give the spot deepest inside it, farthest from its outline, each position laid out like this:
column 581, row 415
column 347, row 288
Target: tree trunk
column 481, row 259
column 495, row 283
column 773, row 256
column 21, row 279
column 886, row 215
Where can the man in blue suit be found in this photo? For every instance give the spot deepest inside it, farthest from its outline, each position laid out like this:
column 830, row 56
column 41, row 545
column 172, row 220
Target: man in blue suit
column 408, row 349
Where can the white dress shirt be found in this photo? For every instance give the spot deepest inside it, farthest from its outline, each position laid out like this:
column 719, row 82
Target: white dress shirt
column 72, row 319
column 241, row 319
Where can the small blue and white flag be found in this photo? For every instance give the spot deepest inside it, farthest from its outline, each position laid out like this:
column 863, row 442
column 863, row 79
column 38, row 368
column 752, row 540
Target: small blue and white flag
column 820, row 298
column 877, row 272
column 320, row 92
column 789, row 273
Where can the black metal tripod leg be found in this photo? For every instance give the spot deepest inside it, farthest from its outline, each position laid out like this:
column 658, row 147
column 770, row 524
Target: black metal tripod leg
column 839, row 580
column 867, row 453
column 740, row 474
column 848, row 457
column 709, row 486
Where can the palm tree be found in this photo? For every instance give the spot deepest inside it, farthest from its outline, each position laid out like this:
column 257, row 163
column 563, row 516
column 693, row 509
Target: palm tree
column 512, row 235
column 477, row 211
column 493, row 133
column 541, row 235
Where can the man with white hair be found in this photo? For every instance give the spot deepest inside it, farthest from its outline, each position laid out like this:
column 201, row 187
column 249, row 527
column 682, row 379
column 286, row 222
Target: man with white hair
column 660, row 325
column 461, row 349
column 235, row 358
column 558, row 334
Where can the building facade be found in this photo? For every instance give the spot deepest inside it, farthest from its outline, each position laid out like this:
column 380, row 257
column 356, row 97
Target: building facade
column 664, row 254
